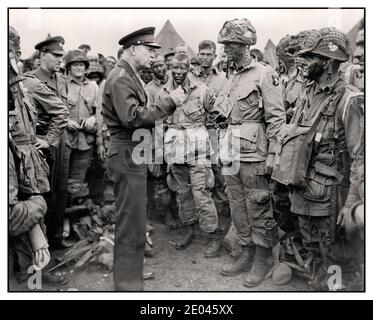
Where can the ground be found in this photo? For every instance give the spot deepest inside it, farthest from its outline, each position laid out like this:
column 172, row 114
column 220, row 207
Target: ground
column 174, row 270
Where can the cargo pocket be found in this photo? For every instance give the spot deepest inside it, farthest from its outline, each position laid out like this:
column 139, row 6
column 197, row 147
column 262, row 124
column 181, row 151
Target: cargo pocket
column 248, row 136
column 112, row 151
column 168, row 142
column 210, row 178
column 248, row 100
column 193, row 109
column 259, row 200
column 174, row 144
column 318, row 188
column 259, row 196
column 123, row 155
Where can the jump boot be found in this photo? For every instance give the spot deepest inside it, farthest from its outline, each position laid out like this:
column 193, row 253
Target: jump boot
column 259, row 268
column 240, row 265
column 187, row 238
column 169, row 220
column 213, row 245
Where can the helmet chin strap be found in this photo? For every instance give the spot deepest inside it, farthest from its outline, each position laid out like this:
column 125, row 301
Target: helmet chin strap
column 330, row 70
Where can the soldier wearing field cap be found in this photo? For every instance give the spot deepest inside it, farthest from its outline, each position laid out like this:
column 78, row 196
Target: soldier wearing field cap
column 51, row 53
column 252, row 103
column 125, row 109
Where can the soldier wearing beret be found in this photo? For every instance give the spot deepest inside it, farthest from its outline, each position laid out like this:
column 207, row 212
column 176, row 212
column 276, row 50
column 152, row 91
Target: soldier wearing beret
column 252, row 102
column 125, row 109
column 51, row 53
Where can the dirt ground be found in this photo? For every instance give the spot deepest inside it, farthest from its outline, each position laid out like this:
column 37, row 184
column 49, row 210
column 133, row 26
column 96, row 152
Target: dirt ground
column 174, row 270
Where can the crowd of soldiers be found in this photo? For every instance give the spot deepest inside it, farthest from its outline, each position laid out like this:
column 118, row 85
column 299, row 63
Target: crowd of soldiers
column 280, row 152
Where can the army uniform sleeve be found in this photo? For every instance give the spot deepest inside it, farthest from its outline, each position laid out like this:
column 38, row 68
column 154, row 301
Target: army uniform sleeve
column 55, row 108
column 274, row 113
column 98, row 115
column 352, row 119
column 133, row 115
column 23, row 215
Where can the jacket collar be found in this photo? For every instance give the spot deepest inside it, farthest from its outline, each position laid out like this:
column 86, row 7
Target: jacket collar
column 127, row 66
column 159, row 82
column 198, row 71
column 71, row 79
column 330, row 86
column 249, row 64
column 44, row 75
column 188, row 85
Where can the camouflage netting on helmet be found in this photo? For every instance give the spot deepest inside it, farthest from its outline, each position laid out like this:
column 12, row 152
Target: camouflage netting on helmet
column 238, row 31
column 14, row 40
column 288, row 48
column 76, row 56
column 327, row 42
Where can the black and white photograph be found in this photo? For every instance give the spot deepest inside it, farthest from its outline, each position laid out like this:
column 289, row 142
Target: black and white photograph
column 186, row 149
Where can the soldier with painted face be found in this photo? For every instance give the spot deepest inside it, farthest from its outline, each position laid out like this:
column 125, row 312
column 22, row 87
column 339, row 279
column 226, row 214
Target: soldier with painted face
column 187, row 151
column 329, row 114
column 290, row 70
column 161, row 195
column 160, row 78
column 252, row 103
